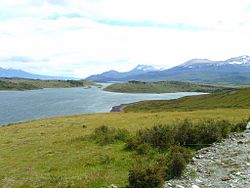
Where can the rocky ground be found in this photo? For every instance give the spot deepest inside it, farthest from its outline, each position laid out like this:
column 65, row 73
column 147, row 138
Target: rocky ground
column 222, row 165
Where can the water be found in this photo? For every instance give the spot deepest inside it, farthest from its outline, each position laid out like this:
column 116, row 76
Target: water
column 17, row 106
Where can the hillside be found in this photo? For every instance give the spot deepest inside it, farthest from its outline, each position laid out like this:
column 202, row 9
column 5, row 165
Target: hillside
column 230, row 99
column 29, row 84
column 163, row 87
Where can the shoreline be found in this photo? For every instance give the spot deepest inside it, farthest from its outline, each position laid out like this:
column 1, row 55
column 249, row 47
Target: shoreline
column 119, row 108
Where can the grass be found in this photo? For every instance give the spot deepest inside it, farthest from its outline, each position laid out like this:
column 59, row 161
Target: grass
column 53, row 152
column 230, row 99
column 28, row 84
column 163, row 87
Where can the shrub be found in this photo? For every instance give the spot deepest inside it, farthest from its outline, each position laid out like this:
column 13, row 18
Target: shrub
column 208, row 132
column 159, row 136
column 131, row 143
column 105, row 135
column 201, row 133
column 150, row 177
column 143, row 149
column 240, row 126
column 177, row 161
column 184, row 133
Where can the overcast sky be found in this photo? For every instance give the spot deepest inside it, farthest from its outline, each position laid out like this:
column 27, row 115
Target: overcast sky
column 83, row 37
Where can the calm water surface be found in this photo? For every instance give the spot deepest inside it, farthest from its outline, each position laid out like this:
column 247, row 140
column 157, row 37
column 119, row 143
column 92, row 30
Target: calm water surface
column 17, row 106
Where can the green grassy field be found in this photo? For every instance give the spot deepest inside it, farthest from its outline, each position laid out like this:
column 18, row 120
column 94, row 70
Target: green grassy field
column 28, row 84
column 231, row 99
column 164, row 87
column 54, row 153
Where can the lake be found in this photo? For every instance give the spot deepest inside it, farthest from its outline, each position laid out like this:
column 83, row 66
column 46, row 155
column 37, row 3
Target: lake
column 18, row 106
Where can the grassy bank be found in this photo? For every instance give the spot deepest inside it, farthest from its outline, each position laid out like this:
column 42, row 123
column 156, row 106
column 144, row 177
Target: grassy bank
column 54, row 152
column 29, row 84
column 231, row 99
column 164, row 87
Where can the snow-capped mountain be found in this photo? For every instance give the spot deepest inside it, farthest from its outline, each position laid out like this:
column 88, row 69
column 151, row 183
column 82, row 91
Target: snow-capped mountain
column 236, row 64
column 113, row 75
column 234, row 70
column 241, row 60
column 145, row 68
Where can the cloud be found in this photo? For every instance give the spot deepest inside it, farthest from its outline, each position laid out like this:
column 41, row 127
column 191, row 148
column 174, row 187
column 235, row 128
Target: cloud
column 22, row 59
column 79, row 38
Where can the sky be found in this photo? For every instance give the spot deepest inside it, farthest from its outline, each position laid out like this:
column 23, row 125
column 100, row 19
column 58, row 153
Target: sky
column 83, row 37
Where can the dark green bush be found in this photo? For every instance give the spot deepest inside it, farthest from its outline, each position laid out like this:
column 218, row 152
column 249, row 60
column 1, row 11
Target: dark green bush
column 177, row 161
column 160, row 137
column 143, row 149
column 132, row 143
column 150, row 177
column 202, row 133
column 105, row 135
column 184, row 133
column 240, row 126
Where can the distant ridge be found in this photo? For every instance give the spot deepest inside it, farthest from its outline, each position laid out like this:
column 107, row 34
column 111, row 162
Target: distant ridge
column 235, row 70
column 113, row 75
column 15, row 73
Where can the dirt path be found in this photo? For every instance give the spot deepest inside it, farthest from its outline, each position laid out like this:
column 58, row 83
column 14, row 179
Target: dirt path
column 222, row 165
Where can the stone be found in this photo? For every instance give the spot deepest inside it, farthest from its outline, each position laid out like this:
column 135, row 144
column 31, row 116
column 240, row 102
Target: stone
column 179, row 186
column 195, row 186
column 112, row 186
column 240, row 142
column 198, row 181
column 248, row 126
column 225, row 178
column 238, row 173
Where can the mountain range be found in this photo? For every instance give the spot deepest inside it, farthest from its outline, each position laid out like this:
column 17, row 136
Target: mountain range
column 234, row 70
column 15, row 73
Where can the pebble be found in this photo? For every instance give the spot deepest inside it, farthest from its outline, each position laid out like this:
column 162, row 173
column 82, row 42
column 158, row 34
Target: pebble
column 195, row 186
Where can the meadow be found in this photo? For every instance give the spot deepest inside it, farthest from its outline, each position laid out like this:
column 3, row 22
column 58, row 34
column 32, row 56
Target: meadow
column 55, row 152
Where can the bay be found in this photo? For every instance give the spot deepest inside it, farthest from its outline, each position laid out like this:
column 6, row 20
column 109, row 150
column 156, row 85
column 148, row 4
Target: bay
column 19, row 106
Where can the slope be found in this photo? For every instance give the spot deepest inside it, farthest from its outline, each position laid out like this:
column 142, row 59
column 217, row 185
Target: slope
column 231, row 99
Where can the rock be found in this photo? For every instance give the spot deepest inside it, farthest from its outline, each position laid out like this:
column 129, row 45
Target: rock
column 240, row 142
column 238, row 173
column 198, row 181
column 180, row 186
column 195, row 186
column 225, row 178
column 112, row 186
column 248, row 126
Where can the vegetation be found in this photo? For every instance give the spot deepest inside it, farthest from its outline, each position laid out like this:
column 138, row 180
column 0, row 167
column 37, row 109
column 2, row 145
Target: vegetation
column 145, row 178
column 175, row 141
column 164, row 87
column 28, row 84
column 125, row 149
column 104, row 135
column 230, row 99
column 61, row 152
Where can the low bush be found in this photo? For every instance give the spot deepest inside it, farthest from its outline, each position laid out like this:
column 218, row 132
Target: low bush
column 150, row 177
column 143, row 149
column 240, row 126
column 104, row 135
column 177, row 161
column 160, row 137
